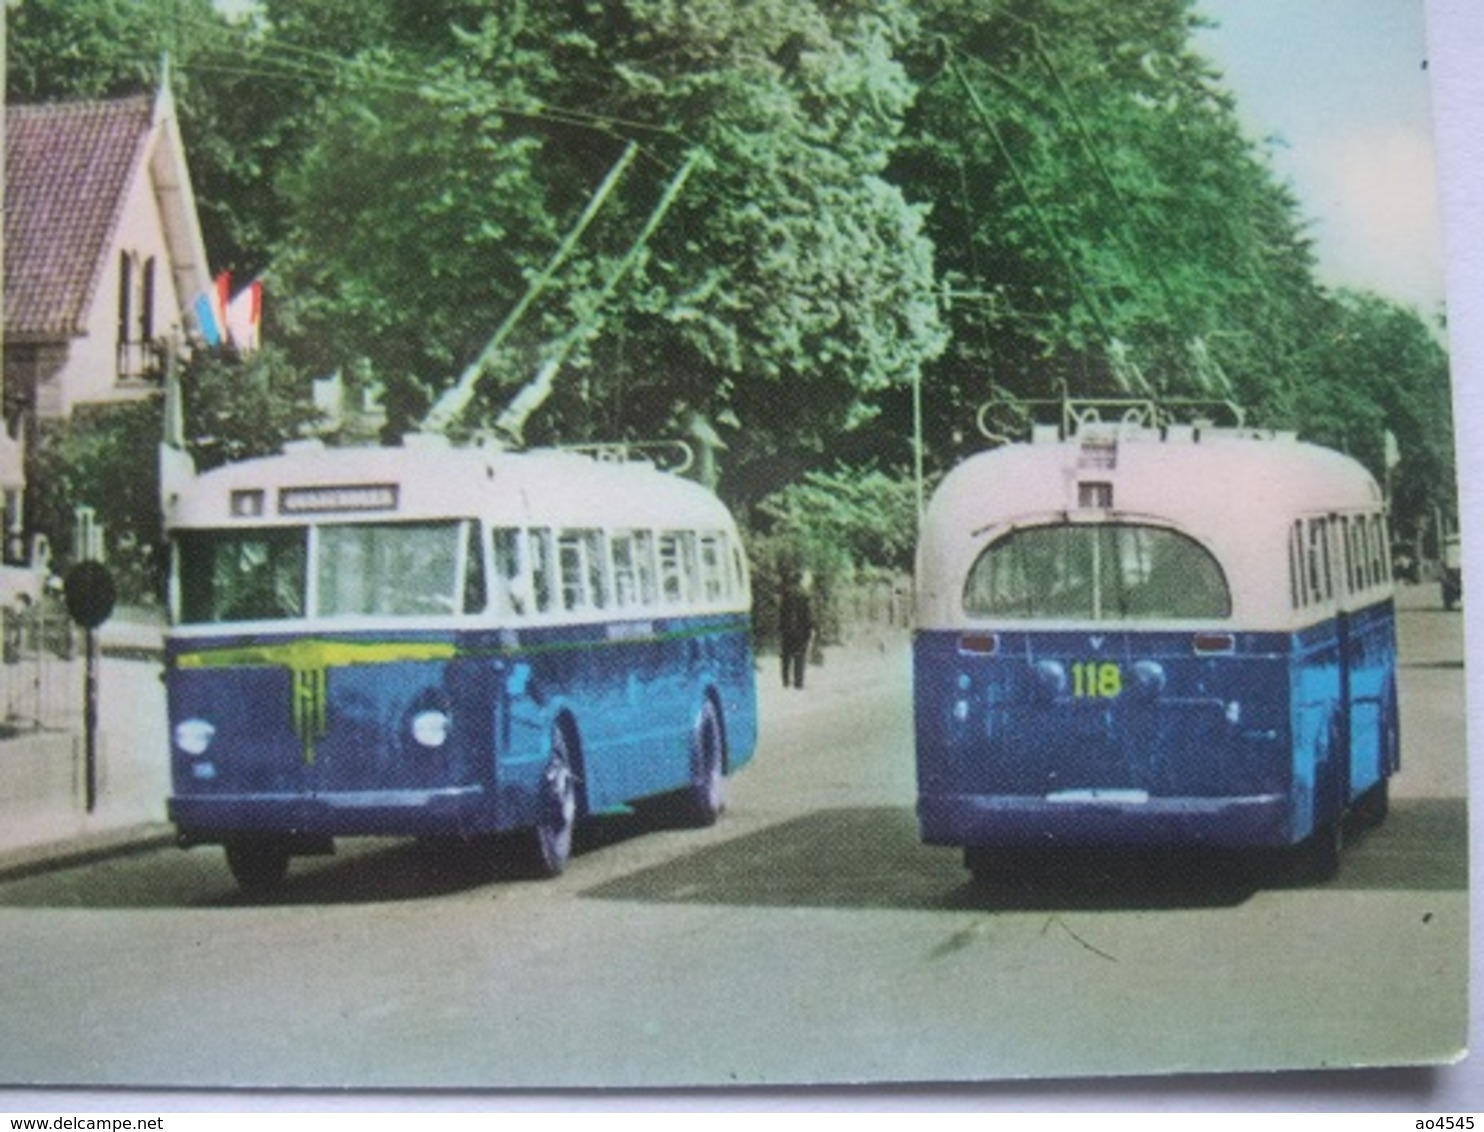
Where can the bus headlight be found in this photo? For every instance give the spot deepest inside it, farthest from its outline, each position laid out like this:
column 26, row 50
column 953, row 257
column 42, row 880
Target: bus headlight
column 430, row 728
column 193, row 736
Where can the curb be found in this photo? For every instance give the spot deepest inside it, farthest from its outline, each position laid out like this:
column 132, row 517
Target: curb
column 88, row 849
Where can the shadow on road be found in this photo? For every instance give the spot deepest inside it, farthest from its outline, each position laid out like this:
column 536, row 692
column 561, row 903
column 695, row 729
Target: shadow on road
column 871, row 858
column 362, row 871
column 864, row 857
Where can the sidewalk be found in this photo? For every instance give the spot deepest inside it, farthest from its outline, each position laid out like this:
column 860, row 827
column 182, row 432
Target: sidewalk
column 44, row 820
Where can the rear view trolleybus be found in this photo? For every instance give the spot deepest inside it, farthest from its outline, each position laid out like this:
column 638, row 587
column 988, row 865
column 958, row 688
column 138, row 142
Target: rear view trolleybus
column 1154, row 637
column 434, row 641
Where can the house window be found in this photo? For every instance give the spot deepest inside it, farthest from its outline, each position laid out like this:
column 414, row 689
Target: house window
column 136, row 323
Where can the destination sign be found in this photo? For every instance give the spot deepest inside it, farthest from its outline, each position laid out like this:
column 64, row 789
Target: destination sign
column 345, row 497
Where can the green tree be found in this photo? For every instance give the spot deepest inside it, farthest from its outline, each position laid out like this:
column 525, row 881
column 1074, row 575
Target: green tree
column 790, row 280
column 1102, row 226
column 842, row 525
column 105, row 456
column 1378, row 369
column 238, row 406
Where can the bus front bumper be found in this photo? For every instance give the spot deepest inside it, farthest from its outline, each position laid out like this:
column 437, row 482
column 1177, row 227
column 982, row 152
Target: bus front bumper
column 1104, row 818
column 384, row 813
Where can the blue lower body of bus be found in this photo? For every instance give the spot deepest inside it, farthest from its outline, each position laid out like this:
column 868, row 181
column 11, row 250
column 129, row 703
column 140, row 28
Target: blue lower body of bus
column 312, row 736
column 1055, row 739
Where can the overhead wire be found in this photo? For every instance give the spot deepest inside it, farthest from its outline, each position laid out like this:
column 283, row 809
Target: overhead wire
column 294, row 61
column 1132, row 219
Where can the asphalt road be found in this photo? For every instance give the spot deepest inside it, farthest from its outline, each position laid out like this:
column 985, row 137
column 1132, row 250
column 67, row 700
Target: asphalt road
column 807, row 938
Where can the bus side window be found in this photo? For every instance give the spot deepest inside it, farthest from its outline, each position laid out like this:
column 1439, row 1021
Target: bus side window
column 1319, row 573
column 633, row 568
column 476, row 592
column 644, row 567
column 690, row 567
column 713, row 573
column 1354, row 555
column 625, row 570
column 1367, row 551
column 1297, row 575
column 512, row 582
column 671, row 567
column 596, row 559
column 570, row 569
column 1380, row 550
column 543, row 568
column 583, row 569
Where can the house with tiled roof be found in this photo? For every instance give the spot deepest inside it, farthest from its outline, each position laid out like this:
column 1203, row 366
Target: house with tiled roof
column 103, row 260
column 103, row 250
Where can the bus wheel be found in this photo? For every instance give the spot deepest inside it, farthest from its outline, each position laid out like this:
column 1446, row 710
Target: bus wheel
column 705, row 797
column 985, row 865
column 992, row 866
column 552, row 837
column 257, row 866
column 1371, row 808
column 1317, row 859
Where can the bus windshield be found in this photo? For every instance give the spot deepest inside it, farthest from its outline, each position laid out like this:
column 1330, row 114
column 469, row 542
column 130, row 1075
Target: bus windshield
column 1097, row 572
column 241, row 575
column 360, row 569
column 391, row 569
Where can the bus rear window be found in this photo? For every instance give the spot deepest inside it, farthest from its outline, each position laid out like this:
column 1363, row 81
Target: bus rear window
column 1097, row 572
column 241, row 575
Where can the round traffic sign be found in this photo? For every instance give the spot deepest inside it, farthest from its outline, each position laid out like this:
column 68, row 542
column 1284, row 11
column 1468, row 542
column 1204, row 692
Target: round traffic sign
column 89, row 592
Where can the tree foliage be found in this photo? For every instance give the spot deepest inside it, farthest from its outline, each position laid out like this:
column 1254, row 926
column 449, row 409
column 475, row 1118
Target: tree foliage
column 993, row 201
column 789, row 281
column 104, row 456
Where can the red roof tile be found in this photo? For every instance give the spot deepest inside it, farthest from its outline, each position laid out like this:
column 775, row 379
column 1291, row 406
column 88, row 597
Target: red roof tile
column 66, row 169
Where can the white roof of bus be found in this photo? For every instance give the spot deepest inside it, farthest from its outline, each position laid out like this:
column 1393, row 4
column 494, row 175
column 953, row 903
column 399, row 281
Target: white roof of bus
column 548, row 487
column 1237, row 493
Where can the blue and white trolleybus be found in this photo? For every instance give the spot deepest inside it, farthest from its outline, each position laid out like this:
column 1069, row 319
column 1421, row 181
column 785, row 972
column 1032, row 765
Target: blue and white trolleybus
column 435, row 641
column 1136, row 636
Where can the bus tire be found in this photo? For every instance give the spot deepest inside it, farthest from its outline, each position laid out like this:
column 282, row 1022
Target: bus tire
column 1371, row 808
column 551, row 839
column 984, row 865
column 705, row 798
column 1316, row 860
column 257, row 865
column 994, row 865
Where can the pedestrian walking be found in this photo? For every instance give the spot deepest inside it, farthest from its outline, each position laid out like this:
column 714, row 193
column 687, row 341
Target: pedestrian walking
column 795, row 628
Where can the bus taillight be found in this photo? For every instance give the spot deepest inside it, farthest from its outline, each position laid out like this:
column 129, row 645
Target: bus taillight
column 1208, row 644
column 979, row 644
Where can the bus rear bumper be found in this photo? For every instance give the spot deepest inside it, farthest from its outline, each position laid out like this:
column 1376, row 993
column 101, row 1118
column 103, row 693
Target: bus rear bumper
column 384, row 813
column 1091, row 818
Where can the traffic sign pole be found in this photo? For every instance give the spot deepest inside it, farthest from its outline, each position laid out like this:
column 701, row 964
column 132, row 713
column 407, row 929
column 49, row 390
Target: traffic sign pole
column 90, row 593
